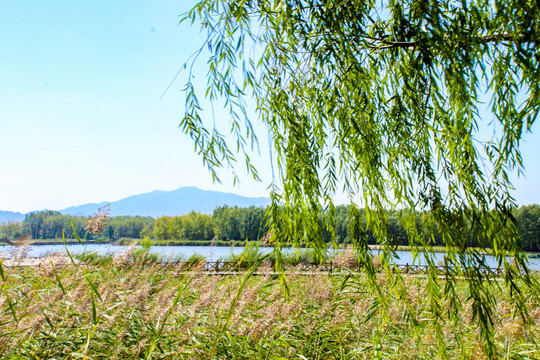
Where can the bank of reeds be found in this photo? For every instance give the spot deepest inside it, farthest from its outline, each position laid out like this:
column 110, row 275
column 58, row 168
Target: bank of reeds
column 131, row 307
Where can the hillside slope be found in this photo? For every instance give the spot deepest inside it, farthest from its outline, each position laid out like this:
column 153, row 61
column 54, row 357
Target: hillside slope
column 169, row 203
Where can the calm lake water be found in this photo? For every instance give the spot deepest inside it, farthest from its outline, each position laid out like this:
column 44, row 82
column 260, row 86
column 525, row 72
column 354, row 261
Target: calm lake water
column 211, row 253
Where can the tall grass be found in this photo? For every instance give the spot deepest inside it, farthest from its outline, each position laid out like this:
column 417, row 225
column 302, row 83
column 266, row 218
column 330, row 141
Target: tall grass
column 132, row 307
column 252, row 253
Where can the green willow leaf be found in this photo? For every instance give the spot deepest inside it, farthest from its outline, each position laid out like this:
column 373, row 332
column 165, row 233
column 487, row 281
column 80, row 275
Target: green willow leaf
column 385, row 102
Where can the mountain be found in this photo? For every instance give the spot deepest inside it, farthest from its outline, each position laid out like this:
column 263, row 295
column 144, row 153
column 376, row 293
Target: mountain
column 6, row 216
column 170, row 203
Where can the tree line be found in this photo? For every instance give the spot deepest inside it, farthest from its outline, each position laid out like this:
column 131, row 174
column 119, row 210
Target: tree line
column 235, row 223
column 48, row 224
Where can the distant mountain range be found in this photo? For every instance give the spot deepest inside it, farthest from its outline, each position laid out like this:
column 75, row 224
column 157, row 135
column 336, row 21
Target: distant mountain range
column 158, row 203
column 6, row 216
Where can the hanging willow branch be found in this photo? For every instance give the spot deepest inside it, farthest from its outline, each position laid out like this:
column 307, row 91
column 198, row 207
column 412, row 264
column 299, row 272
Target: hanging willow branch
column 382, row 42
column 350, row 108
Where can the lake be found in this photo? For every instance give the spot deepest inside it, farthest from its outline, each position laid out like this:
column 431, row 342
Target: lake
column 211, row 253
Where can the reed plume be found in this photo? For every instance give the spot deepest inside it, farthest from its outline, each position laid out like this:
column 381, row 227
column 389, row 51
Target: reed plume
column 98, row 221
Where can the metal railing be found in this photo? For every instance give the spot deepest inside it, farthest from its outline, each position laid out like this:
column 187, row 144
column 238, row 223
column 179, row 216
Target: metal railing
column 230, row 267
column 226, row 267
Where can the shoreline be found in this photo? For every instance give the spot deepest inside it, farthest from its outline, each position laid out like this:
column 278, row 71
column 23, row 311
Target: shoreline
column 232, row 243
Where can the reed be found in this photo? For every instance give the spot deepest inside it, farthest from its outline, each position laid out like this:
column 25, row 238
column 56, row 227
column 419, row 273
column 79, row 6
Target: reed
column 132, row 307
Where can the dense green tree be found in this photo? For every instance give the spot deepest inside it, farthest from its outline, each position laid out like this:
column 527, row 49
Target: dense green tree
column 127, row 226
column 383, row 98
column 193, row 226
column 197, row 226
column 234, row 223
column 160, row 228
column 11, row 231
column 528, row 218
column 342, row 224
column 37, row 222
column 147, row 230
column 53, row 225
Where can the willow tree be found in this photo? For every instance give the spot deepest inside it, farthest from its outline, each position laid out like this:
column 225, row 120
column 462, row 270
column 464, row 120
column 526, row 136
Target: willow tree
column 386, row 101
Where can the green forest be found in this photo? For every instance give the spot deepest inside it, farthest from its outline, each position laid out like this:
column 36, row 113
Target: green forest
column 228, row 224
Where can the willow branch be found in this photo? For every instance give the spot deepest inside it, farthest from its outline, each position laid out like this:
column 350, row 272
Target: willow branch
column 520, row 38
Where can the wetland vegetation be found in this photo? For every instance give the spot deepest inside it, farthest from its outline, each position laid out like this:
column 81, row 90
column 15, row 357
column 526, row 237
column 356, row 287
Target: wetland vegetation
column 131, row 307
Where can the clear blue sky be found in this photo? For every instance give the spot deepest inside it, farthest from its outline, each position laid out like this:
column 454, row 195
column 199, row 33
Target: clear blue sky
column 80, row 115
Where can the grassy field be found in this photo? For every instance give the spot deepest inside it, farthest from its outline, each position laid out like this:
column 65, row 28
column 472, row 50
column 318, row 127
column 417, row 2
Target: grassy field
column 131, row 308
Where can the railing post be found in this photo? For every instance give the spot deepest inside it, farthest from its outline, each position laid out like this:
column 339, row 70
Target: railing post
column 217, row 266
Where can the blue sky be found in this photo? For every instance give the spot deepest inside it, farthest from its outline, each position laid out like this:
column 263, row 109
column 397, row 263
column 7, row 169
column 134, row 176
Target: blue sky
column 81, row 118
